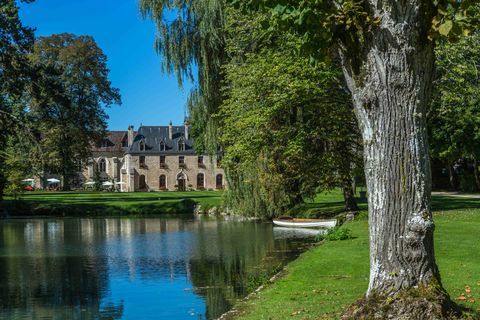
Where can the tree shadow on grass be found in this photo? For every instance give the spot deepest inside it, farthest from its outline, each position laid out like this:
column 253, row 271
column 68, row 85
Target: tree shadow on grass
column 328, row 209
column 447, row 203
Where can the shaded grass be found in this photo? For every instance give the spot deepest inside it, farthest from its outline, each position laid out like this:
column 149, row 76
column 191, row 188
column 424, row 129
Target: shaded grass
column 326, row 279
column 328, row 204
column 324, row 205
column 106, row 203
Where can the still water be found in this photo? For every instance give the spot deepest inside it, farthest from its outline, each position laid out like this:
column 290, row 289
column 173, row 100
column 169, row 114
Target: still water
column 135, row 268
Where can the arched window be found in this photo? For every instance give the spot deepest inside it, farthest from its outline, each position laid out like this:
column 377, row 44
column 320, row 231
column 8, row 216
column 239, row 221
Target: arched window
column 162, row 146
column 181, row 145
column 142, row 145
column 219, row 181
column 162, row 182
column 142, row 184
column 200, row 181
column 102, row 165
column 181, row 182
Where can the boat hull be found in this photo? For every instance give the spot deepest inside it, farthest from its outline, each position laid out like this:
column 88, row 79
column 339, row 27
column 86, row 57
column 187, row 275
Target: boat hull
column 305, row 224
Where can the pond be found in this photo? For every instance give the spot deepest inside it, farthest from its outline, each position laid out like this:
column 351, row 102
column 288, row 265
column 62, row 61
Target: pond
column 136, row 268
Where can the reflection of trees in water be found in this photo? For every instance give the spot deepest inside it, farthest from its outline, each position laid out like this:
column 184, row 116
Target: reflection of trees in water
column 229, row 258
column 61, row 269
column 40, row 277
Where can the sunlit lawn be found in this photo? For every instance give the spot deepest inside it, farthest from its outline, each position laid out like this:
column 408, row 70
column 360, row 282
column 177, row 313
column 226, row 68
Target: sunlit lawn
column 326, row 279
column 108, row 203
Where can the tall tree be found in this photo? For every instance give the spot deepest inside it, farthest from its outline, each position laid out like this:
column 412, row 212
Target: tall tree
column 190, row 38
column 287, row 128
column 386, row 52
column 70, row 96
column 16, row 42
column 193, row 34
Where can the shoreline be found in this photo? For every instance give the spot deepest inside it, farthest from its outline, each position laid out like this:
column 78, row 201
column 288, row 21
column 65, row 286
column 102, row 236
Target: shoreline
column 324, row 280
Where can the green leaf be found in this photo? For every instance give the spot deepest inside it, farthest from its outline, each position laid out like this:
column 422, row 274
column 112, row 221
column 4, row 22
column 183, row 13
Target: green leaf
column 445, row 27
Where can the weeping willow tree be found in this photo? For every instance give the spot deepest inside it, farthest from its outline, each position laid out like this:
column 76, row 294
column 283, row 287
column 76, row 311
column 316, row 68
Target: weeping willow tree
column 287, row 127
column 252, row 85
column 191, row 40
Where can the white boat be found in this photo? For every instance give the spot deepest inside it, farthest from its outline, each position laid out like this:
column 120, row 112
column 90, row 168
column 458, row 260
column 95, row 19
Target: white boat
column 305, row 223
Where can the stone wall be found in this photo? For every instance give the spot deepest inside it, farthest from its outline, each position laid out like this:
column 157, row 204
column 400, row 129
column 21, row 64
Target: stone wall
column 173, row 171
column 114, row 163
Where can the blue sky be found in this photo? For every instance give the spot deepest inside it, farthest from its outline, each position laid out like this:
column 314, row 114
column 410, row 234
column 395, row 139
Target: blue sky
column 149, row 96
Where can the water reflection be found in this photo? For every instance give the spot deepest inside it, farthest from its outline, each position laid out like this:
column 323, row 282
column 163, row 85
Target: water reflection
column 133, row 268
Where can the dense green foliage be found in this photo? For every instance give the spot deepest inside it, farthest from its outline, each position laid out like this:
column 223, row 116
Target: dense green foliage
column 72, row 92
column 52, row 94
column 287, row 127
column 16, row 42
column 454, row 115
column 326, row 279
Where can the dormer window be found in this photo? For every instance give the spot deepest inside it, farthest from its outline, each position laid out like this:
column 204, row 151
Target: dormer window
column 142, row 145
column 181, row 145
column 163, row 147
column 104, row 143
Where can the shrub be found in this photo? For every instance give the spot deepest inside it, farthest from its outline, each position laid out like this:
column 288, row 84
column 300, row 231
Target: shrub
column 334, row 234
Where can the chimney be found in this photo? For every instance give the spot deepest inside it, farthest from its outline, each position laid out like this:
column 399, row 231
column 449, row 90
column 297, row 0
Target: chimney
column 186, row 124
column 131, row 134
column 170, row 131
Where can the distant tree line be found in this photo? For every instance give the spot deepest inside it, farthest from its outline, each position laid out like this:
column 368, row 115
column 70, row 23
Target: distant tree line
column 53, row 91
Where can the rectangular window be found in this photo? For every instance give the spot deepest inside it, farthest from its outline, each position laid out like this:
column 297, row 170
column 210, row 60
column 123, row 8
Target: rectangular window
column 181, row 161
column 142, row 161
column 200, row 160
column 219, row 161
column 162, row 162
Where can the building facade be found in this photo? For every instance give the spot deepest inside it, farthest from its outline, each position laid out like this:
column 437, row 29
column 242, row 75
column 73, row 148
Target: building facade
column 154, row 158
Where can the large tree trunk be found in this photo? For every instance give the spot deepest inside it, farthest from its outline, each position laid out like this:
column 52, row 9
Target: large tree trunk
column 390, row 82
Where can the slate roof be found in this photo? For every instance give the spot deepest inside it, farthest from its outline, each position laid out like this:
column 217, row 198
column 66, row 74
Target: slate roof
column 112, row 143
column 154, row 135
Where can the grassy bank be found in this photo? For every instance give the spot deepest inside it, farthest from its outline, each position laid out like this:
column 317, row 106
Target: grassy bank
column 329, row 277
column 110, row 203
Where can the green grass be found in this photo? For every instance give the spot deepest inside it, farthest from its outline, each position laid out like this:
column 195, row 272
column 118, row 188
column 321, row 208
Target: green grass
column 329, row 277
column 325, row 204
column 110, row 203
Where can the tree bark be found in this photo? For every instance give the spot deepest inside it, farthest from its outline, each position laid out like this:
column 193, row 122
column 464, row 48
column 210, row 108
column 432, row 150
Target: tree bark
column 390, row 80
column 475, row 172
column 451, row 177
column 349, row 196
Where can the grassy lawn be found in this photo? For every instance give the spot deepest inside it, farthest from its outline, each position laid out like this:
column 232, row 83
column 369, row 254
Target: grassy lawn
column 325, row 204
column 329, row 277
column 110, row 203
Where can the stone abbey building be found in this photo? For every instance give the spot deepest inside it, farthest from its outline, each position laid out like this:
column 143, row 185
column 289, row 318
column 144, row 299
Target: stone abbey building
column 154, row 158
